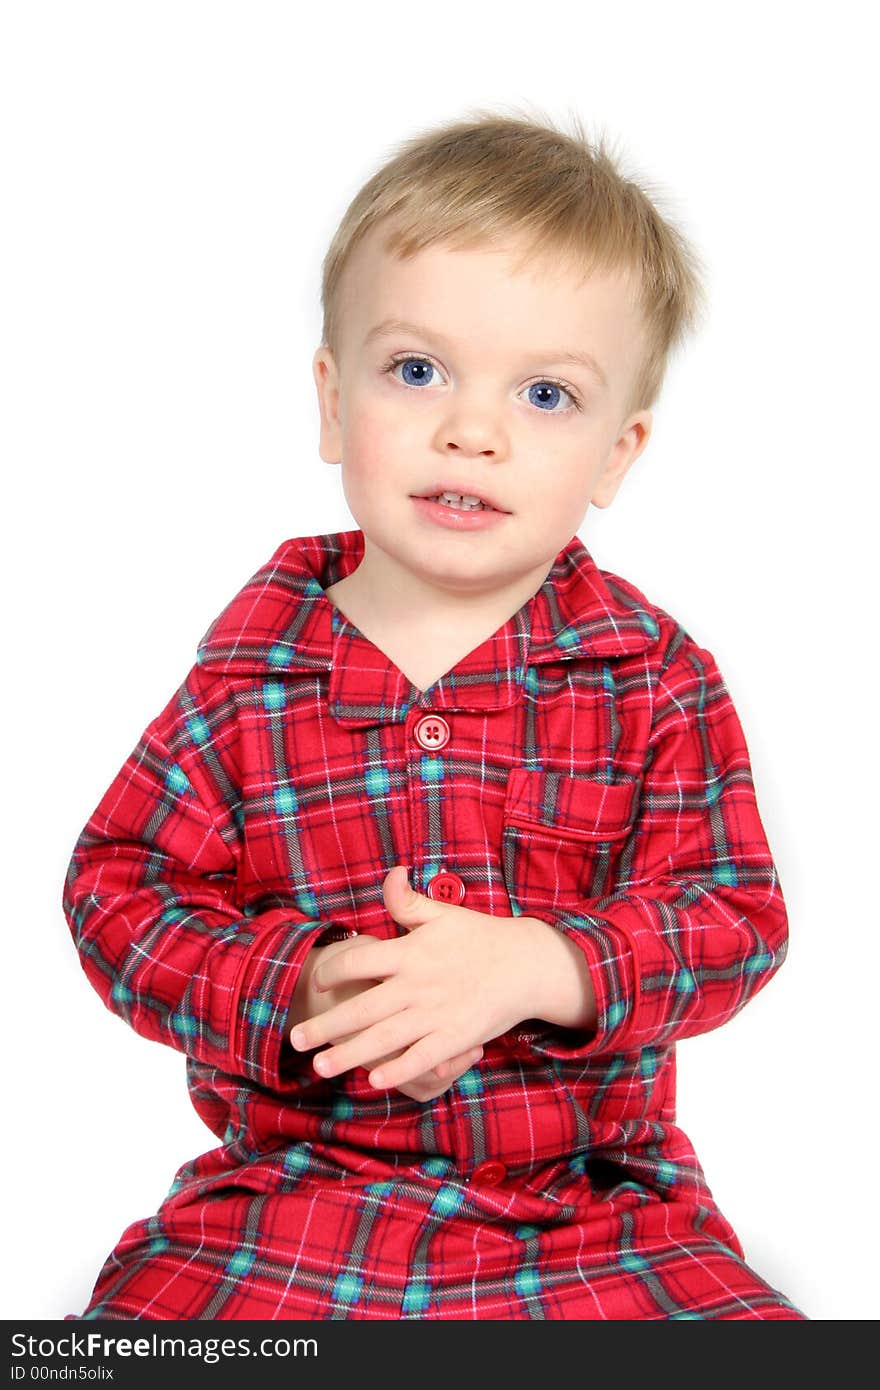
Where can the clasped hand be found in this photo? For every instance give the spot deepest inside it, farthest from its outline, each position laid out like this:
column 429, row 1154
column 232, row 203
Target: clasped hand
column 457, row 979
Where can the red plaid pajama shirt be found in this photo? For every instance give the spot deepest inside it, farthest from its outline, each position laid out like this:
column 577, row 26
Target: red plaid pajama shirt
column 596, row 776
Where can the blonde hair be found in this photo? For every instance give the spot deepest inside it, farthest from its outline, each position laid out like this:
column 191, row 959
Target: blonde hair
column 488, row 176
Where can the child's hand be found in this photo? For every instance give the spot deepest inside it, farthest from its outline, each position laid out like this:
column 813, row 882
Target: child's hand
column 434, row 1082
column 458, row 979
column 309, row 1002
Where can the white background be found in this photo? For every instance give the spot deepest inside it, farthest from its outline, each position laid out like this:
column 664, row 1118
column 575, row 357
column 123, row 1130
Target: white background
column 171, row 175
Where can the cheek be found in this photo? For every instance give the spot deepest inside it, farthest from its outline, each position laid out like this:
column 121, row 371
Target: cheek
column 568, row 497
column 571, row 477
column 366, row 463
column 377, row 440
column 380, row 412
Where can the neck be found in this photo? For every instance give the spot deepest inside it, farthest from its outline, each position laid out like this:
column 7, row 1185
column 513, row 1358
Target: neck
column 392, row 597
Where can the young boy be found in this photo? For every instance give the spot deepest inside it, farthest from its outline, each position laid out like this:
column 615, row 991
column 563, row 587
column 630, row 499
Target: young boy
column 448, row 836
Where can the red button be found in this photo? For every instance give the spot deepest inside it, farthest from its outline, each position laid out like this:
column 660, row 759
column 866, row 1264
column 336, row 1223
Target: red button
column 446, row 888
column 431, row 733
column 491, row 1172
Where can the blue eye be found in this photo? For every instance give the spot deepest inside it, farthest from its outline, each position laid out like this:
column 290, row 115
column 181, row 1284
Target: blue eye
column 417, row 371
column 547, row 394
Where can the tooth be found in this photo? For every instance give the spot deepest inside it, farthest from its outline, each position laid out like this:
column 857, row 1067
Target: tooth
column 461, row 500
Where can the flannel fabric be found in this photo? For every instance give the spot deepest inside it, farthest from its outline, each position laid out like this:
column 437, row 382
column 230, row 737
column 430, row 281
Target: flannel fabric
column 596, row 777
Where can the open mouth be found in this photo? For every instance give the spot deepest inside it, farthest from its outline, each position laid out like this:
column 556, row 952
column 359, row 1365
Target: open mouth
column 462, row 503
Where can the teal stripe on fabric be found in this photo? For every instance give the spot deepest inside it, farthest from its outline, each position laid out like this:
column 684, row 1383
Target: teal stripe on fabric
column 347, row 1288
column 447, row 1201
column 470, row 1083
column 633, row 1263
column 199, row 729
column 274, row 696
column 614, row 1013
column 285, row 800
column 241, row 1263
column 755, row 963
column 612, row 1071
column 379, row 1189
column 279, row 654
column 259, row 1012
column 297, row 1159
column 377, row 781
column 174, row 914
column 437, row 1167
column 429, row 871
column 649, row 1062
column 527, row 1281
column 176, row 780
column 416, row 1296
column 184, row 1024
column 432, row 769
column 726, row 874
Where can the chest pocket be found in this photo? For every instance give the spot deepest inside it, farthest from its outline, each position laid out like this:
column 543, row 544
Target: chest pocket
column 562, row 836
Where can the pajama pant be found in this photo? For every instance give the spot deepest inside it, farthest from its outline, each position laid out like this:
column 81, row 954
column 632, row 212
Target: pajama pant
column 430, row 1244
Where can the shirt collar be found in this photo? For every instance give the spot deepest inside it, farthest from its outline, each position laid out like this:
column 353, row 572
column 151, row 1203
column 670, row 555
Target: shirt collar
column 282, row 622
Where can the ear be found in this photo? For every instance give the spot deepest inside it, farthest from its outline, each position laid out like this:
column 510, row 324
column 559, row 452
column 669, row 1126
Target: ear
column 632, row 439
column 326, row 376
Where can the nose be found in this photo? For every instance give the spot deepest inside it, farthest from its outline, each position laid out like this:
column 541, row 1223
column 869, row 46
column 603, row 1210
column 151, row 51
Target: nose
column 472, row 428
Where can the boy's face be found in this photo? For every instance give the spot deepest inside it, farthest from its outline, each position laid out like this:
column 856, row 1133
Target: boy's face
column 486, row 406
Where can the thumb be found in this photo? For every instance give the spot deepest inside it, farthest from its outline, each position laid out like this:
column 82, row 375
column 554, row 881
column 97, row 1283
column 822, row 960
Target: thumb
column 406, row 906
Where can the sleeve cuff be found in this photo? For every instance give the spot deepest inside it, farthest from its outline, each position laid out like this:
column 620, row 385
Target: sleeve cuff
column 263, row 990
column 611, row 958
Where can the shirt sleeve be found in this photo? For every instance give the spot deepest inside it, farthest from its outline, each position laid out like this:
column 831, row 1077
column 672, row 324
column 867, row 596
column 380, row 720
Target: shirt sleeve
column 151, row 900
column 696, row 925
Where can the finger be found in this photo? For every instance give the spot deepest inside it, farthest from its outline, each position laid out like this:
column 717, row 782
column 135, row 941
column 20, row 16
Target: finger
column 350, row 1016
column 401, row 1032
column 376, row 960
column 455, row 1067
column 425, row 1054
column 439, row 1078
column 429, row 1086
column 404, row 904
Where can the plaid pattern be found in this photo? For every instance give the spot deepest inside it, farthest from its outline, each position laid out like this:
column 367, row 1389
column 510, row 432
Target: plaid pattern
column 596, row 777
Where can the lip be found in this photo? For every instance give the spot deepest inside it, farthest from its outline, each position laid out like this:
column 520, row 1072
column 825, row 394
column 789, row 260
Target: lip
column 454, row 519
column 462, row 490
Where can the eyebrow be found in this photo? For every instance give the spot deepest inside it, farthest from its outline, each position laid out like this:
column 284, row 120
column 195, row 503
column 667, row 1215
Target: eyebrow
column 579, row 359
